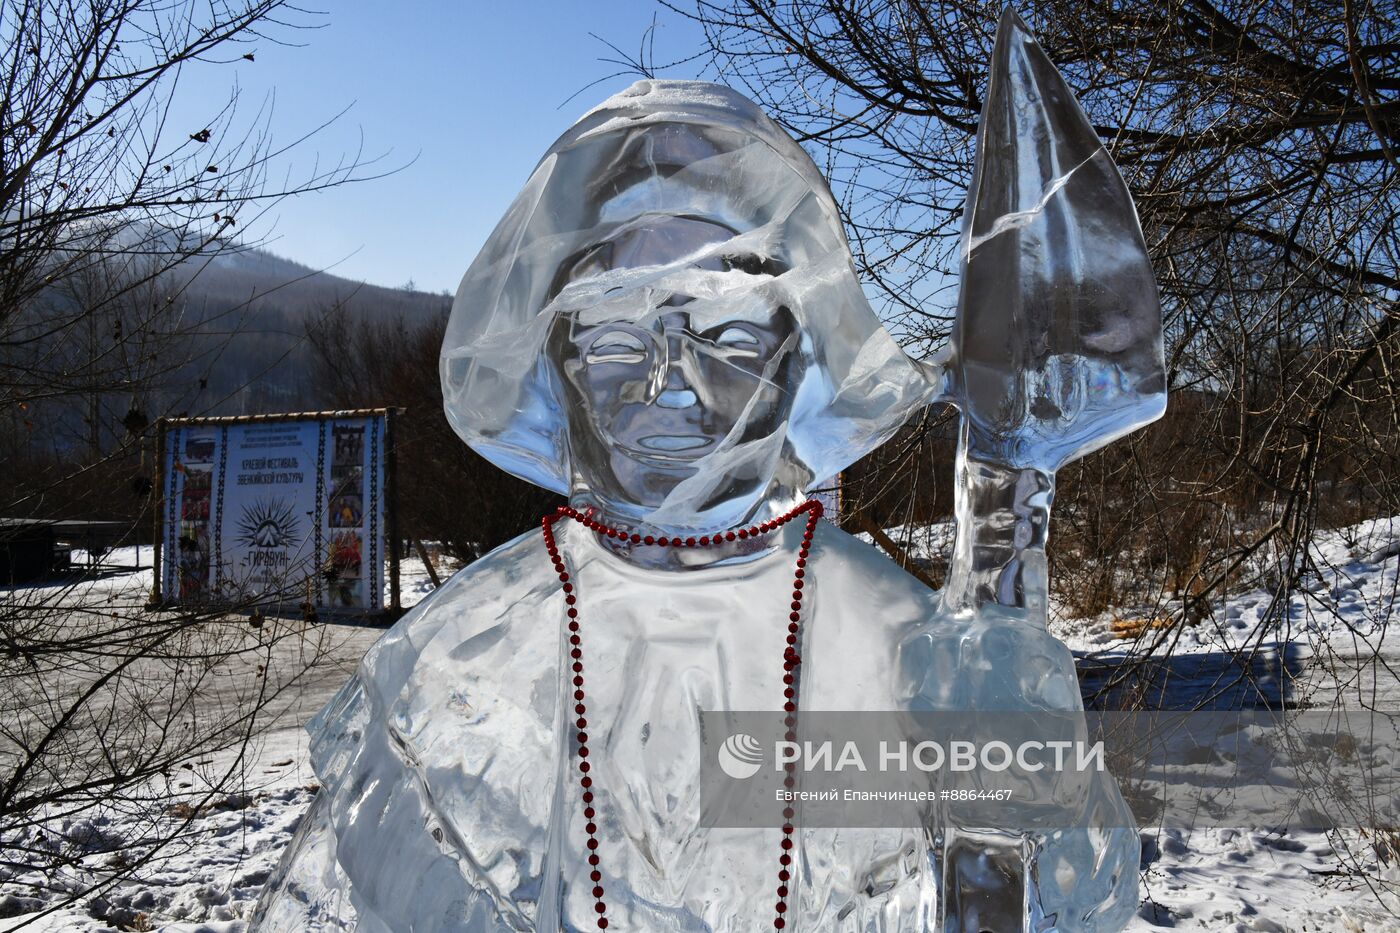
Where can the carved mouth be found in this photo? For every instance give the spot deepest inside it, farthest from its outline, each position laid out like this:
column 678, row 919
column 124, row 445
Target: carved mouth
column 674, row 443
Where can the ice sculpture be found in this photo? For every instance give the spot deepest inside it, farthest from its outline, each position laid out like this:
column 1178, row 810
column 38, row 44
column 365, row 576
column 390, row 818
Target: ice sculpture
column 666, row 326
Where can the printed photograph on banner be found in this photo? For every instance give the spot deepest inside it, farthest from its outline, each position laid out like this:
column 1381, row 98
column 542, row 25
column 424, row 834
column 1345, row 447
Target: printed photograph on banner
column 347, row 510
column 347, row 480
column 349, row 445
column 344, row 562
column 198, row 481
column 194, row 499
column 199, row 450
column 194, row 559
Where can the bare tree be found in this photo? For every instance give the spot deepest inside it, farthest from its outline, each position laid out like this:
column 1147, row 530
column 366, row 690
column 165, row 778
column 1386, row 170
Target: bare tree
column 1261, row 145
column 108, row 211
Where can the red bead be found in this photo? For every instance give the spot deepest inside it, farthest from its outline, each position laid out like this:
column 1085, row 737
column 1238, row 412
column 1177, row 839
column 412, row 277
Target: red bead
column 781, row 907
column 649, row 540
column 599, row 907
column 800, row 573
column 795, row 604
column 578, row 694
column 582, row 723
column 595, row 876
column 704, row 540
column 578, row 681
column 743, row 532
column 593, row 859
column 636, row 539
column 575, row 653
column 786, row 843
column 598, row 891
column 795, row 616
column 690, row 542
column 789, row 693
column 583, row 766
column 787, row 815
column 785, row 859
column 662, row 542
column 568, row 587
column 602, row 923
column 729, row 536
column 778, row 923
column 592, row 843
column 789, row 707
column 675, row 542
column 578, row 667
column 801, row 562
column 591, row 828
column 797, row 584
column 793, row 627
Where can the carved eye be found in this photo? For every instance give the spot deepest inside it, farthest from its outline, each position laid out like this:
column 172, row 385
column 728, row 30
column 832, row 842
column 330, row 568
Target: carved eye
column 737, row 338
column 616, row 346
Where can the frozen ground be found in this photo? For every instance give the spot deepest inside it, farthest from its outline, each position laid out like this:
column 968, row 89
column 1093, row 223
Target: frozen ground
column 1219, row 880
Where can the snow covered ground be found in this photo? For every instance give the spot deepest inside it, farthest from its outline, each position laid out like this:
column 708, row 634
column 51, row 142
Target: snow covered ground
column 1219, row 880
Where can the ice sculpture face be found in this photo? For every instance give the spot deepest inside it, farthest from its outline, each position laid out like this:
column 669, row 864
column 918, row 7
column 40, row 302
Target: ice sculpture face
column 655, row 383
column 667, row 324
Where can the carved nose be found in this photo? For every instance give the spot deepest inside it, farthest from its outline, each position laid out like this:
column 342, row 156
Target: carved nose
column 676, row 398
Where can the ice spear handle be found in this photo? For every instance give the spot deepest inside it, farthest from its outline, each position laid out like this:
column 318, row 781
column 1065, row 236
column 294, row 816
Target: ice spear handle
column 1057, row 346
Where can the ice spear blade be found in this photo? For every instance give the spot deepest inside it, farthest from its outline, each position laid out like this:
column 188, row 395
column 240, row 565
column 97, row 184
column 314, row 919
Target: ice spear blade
column 1058, row 338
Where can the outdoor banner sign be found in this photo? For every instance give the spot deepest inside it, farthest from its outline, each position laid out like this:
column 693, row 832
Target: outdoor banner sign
column 276, row 510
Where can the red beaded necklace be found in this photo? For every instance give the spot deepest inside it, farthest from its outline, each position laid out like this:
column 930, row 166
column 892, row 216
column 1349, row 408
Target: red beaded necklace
column 813, row 509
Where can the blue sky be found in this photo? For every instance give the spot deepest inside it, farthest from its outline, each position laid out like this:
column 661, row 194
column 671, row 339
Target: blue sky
column 470, row 92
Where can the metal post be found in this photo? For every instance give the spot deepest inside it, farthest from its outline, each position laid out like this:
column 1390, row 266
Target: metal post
column 157, row 570
column 391, row 480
